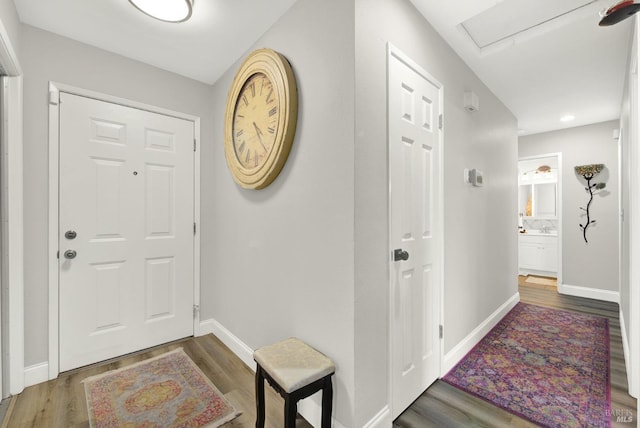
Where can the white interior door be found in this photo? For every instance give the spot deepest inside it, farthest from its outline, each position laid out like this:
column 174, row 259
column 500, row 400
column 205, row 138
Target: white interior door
column 127, row 192
column 414, row 174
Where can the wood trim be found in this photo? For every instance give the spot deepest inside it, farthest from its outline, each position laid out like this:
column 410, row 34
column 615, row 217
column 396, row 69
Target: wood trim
column 36, row 374
column 589, row 293
column 54, row 148
column 465, row 345
column 558, row 274
column 11, row 194
column 237, row 346
column 625, row 347
column 54, row 101
column 634, row 215
column 381, row 419
column 196, row 219
column 13, row 239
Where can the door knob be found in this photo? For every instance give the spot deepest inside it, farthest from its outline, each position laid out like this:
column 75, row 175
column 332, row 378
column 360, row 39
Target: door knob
column 70, row 234
column 70, row 254
column 400, row 254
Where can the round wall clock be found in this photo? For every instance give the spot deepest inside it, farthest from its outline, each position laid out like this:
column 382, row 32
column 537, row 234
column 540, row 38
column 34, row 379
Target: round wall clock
column 260, row 120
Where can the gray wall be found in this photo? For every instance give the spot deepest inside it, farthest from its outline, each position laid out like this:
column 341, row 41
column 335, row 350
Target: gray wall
column 592, row 265
column 480, row 271
column 278, row 262
column 307, row 256
column 44, row 57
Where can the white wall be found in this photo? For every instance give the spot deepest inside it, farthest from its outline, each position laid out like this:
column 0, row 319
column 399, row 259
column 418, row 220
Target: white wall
column 625, row 175
column 630, row 231
column 480, row 228
column 593, row 265
column 278, row 262
column 44, row 57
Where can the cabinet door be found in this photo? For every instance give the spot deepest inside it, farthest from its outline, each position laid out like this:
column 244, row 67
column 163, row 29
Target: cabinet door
column 529, row 255
column 549, row 256
column 539, row 253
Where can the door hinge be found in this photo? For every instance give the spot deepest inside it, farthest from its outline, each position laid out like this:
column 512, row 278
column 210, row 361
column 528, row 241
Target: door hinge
column 58, row 255
column 196, row 310
column 441, row 331
column 54, row 97
column 194, row 144
column 194, row 227
column 440, row 121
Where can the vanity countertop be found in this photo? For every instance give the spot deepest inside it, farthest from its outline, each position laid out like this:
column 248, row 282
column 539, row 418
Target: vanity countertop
column 537, row 232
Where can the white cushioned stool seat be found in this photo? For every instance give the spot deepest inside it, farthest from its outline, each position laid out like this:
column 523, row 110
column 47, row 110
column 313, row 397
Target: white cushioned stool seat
column 296, row 371
column 293, row 364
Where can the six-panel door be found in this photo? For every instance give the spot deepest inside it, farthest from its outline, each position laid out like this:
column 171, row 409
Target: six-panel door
column 127, row 192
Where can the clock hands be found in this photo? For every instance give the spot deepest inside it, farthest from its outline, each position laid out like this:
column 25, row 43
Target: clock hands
column 259, row 134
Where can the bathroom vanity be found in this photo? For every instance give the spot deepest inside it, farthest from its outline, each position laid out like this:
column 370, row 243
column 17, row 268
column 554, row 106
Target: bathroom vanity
column 538, row 253
column 538, row 216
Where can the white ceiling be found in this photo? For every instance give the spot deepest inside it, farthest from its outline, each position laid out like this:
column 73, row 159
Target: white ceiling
column 203, row 48
column 566, row 65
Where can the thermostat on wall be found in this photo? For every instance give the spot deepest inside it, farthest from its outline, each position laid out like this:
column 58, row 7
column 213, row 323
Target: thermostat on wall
column 476, row 177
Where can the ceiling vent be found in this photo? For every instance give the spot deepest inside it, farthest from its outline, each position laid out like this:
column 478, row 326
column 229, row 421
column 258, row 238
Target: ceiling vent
column 511, row 17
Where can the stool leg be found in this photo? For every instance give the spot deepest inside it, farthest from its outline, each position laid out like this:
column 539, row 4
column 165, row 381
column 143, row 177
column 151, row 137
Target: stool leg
column 290, row 412
column 327, row 402
column 259, row 397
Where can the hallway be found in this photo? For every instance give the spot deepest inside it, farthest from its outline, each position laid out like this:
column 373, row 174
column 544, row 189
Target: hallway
column 443, row 405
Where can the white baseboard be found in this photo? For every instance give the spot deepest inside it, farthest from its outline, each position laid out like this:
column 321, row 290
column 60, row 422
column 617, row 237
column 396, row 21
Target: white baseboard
column 526, row 272
column 237, row 346
column 36, row 374
column 626, row 350
column 461, row 349
column 308, row 408
column 203, row 327
column 311, row 410
column 589, row 293
column 381, row 420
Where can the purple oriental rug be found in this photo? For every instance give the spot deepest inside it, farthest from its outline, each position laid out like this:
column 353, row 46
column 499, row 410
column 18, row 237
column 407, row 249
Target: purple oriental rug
column 548, row 366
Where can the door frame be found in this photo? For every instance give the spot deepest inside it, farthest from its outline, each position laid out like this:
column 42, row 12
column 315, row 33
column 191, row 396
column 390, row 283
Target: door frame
column 11, row 193
column 558, row 156
column 54, row 186
column 393, row 51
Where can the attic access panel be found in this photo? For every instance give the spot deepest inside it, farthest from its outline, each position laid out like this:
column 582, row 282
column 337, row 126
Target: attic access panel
column 510, row 17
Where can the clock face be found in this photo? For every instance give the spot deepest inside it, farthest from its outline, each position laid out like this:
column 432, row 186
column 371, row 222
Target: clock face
column 255, row 121
column 260, row 119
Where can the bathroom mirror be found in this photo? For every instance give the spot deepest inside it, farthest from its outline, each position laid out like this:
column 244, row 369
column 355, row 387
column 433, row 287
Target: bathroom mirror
column 537, row 200
column 545, row 200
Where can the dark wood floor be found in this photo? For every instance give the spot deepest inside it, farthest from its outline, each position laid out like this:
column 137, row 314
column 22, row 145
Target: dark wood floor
column 443, row 405
column 61, row 402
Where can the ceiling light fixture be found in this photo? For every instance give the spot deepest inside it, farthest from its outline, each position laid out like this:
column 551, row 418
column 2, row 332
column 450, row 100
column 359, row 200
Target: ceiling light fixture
column 567, row 118
column 165, row 10
column 618, row 12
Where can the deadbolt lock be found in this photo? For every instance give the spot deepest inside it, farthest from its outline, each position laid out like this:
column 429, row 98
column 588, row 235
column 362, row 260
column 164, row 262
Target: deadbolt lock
column 70, row 234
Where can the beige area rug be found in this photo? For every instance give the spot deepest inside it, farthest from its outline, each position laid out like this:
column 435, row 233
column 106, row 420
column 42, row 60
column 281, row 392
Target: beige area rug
column 541, row 281
column 162, row 392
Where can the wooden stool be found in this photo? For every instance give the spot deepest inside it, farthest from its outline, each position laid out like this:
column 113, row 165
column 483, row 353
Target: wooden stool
column 296, row 371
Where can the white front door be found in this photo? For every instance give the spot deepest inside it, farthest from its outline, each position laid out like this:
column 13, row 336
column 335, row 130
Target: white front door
column 415, row 231
column 126, row 215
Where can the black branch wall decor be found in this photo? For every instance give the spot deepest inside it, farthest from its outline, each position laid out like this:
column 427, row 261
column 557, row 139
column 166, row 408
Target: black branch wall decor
column 589, row 172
